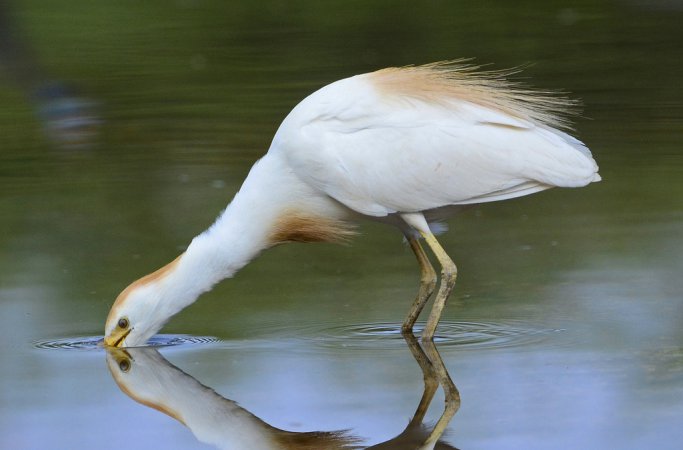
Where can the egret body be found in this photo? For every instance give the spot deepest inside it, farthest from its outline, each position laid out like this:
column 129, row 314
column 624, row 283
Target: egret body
column 404, row 146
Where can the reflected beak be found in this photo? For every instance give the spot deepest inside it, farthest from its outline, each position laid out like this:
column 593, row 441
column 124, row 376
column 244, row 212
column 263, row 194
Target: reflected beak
column 116, row 338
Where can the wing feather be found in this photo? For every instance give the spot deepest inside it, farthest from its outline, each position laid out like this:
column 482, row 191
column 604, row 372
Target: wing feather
column 380, row 153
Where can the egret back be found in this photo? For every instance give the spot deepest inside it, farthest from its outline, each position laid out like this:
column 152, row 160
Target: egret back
column 381, row 147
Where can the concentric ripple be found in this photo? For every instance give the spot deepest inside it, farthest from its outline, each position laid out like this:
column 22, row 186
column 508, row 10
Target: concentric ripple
column 462, row 335
column 97, row 342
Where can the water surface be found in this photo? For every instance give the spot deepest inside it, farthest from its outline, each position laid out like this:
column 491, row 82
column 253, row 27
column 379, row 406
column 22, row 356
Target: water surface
column 564, row 330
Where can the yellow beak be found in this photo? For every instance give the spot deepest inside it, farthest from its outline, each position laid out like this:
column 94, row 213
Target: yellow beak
column 116, row 338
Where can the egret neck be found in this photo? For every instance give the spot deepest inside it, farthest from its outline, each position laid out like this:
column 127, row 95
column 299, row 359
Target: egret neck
column 272, row 206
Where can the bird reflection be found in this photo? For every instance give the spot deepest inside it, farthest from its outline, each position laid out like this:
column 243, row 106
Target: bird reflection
column 148, row 378
column 416, row 435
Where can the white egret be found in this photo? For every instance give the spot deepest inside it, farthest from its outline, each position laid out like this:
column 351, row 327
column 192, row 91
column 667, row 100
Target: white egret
column 405, row 146
column 148, row 378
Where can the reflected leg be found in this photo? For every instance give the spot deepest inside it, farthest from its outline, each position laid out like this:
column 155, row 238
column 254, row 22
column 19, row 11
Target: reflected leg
column 431, row 382
column 451, row 394
column 448, row 275
column 427, row 285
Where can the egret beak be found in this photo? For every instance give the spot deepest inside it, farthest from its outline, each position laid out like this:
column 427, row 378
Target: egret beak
column 116, row 338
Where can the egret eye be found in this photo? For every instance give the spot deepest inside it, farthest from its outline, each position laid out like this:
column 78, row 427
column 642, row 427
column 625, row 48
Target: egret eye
column 124, row 365
column 123, row 323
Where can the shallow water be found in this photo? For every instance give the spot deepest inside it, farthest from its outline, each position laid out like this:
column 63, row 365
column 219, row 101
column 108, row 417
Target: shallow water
column 564, row 330
column 97, row 342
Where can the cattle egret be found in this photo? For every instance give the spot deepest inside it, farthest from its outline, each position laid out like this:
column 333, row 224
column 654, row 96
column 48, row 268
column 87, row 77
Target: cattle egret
column 148, row 378
column 405, row 146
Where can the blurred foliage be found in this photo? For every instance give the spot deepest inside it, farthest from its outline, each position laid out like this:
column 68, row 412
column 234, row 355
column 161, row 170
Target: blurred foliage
column 191, row 92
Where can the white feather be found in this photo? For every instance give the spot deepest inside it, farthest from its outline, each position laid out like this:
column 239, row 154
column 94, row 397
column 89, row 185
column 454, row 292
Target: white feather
column 380, row 156
column 403, row 146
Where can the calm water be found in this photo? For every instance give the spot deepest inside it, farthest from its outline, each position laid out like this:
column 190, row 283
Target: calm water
column 565, row 329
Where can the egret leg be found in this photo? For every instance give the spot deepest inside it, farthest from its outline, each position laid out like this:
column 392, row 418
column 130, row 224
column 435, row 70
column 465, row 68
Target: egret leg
column 448, row 275
column 435, row 373
column 431, row 381
column 427, row 285
column 451, row 396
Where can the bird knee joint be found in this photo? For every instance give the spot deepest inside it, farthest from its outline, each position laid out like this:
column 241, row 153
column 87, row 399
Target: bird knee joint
column 428, row 279
column 452, row 406
column 449, row 274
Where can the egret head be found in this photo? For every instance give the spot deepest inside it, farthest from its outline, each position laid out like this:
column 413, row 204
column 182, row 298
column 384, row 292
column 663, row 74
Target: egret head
column 141, row 309
column 135, row 316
